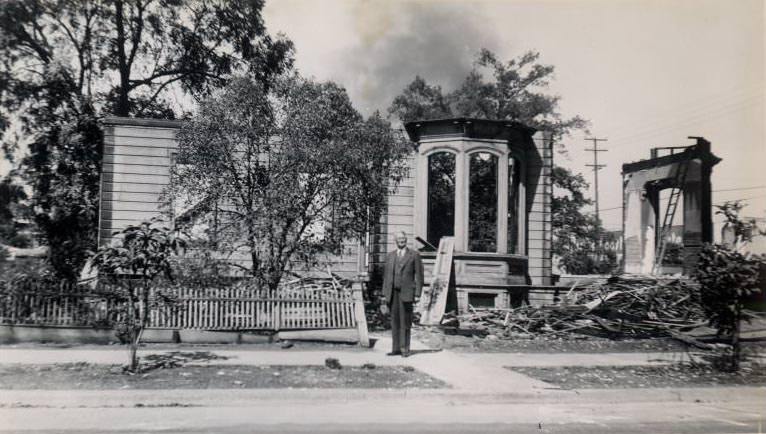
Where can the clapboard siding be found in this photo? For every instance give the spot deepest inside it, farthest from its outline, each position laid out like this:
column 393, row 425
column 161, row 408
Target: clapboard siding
column 540, row 217
column 400, row 210
column 137, row 178
column 125, row 197
column 138, row 146
column 139, row 151
column 142, row 146
column 111, row 187
column 398, row 222
column 132, row 134
column 539, row 191
column 401, row 200
column 142, row 160
column 118, row 205
column 399, row 215
column 539, row 229
column 136, row 169
column 407, row 186
column 129, row 215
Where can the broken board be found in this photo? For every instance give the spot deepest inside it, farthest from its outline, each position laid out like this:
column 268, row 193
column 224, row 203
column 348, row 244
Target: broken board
column 434, row 298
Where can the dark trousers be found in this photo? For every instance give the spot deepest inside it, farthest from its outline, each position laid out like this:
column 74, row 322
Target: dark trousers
column 401, row 322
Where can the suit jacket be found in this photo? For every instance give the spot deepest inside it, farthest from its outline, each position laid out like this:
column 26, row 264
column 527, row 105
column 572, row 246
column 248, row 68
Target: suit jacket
column 411, row 269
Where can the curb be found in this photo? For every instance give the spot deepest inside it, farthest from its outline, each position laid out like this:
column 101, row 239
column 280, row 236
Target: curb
column 249, row 397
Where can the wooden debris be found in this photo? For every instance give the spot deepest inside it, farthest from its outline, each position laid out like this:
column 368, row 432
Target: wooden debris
column 347, row 335
column 621, row 307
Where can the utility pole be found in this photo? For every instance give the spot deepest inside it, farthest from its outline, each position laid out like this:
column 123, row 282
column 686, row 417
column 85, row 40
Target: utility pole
column 596, row 167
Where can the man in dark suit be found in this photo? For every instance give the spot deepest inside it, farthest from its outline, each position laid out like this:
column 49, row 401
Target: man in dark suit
column 402, row 286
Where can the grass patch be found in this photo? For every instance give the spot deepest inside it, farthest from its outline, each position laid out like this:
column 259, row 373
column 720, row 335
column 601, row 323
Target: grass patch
column 618, row 377
column 85, row 376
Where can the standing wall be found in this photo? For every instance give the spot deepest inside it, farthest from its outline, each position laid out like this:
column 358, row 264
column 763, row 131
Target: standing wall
column 135, row 170
column 398, row 216
column 539, row 193
column 138, row 154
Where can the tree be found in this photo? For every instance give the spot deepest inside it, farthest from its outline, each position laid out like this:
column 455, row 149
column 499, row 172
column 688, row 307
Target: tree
column 578, row 238
column 65, row 177
column 67, row 63
column 293, row 169
column 145, row 254
column 124, row 55
column 727, row 278
column 516, row 91
column 742, row 230
column 12, row 197
column 419, row 101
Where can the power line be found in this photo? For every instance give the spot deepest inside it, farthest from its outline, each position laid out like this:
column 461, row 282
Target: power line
column 642, row 138
column 596, row 167
column 714, row 191
column 742, row 198
column 664, row 127
column 742, row 188
column 691, row 107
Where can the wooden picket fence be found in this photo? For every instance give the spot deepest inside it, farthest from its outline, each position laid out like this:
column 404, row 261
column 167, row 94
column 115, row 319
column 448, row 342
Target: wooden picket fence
column 225, row 308
column 249, row 309
column 62, row 304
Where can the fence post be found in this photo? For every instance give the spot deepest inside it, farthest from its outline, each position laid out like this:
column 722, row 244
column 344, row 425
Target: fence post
column 361, row 318
column 277, row 309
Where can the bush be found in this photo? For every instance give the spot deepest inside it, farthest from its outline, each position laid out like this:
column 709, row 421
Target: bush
column 727, row 277
column 26, row 270
column 587, row 261
column 145, row 255
column 674, row 254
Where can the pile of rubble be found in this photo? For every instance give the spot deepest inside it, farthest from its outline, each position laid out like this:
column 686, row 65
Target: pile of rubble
column 620, row 307
column 333, row 282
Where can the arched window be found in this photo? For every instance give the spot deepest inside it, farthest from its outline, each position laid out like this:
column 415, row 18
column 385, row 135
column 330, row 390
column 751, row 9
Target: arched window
column 441, row 196
column 482, row 202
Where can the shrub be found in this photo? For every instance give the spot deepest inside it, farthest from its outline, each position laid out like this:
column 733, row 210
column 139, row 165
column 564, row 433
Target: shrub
column 727, row 277
column 145, row 255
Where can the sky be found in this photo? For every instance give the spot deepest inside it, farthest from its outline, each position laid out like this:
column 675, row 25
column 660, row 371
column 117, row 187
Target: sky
column 645, row 73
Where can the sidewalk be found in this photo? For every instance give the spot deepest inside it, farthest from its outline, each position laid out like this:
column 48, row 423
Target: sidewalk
column 482, row 395
column 471, row 376
column 475, row 373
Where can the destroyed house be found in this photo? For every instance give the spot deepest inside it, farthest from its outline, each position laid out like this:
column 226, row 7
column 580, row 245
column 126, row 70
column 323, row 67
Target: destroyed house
column 486, row 183
column 671, row 187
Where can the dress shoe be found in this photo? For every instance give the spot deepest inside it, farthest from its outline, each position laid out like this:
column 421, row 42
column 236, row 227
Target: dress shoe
column 393, row 353
column 405, row 353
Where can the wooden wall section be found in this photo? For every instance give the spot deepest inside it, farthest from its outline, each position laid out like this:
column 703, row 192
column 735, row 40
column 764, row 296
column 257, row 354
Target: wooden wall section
column 399, row 216
column 138, row 155
column 539, row 189
column 135, row 170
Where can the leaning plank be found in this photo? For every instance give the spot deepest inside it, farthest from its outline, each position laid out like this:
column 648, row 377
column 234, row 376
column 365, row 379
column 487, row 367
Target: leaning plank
column 359, row 314
column 434, row 298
